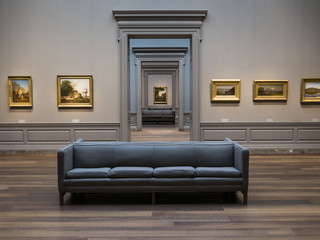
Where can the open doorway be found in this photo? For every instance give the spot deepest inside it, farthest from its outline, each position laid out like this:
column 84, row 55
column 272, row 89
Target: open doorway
column 160, row 118
column 159, row 24
column 160, row 87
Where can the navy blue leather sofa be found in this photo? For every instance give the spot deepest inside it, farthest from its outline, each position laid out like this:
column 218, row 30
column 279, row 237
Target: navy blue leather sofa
column 94, row 167
column 158, row 115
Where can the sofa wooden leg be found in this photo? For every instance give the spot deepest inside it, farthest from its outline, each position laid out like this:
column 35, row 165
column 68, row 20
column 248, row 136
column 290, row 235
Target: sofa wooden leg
column 153, row 198
column 245, row 198
column 61, row 195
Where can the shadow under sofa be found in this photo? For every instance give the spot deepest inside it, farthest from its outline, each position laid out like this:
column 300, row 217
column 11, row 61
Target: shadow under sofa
column 192, row 166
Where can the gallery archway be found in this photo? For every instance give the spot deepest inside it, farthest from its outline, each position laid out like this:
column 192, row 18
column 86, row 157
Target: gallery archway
column 166, row 67
column 169, row 24
column 166, row 74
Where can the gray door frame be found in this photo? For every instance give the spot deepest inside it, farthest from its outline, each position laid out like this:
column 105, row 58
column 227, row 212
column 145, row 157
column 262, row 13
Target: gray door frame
column 157, row 68
column 163, row 55
column 159, row 24
column 160, row 57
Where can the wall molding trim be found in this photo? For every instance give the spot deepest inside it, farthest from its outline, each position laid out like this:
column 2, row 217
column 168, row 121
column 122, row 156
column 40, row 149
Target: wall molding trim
column 267, row 137
column 20, row 137
column 259, row 137
column 144, row 19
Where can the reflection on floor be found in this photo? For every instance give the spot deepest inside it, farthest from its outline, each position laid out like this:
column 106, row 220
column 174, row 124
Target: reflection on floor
column 169, row 133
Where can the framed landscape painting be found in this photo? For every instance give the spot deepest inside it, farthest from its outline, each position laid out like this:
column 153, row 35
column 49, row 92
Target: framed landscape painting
column 270, row 90
column 20, row 91
column 75, row 91
column 310, row 90
column 160, row 95
column 225, row 90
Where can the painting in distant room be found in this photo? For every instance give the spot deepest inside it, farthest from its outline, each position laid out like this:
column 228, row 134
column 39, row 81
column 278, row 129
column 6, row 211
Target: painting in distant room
column 160, row 95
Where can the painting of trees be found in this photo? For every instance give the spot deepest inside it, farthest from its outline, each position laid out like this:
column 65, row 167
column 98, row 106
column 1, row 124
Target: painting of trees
column 74, row 91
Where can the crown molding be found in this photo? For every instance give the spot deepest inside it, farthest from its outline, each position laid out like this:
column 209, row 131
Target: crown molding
column 160, row 49
column 160, row 15
column 137, row 20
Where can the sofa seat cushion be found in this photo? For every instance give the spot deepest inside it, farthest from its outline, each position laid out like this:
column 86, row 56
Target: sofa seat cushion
column 175, row 172
column 131, row 172
column 227, row 172
column 88, row 173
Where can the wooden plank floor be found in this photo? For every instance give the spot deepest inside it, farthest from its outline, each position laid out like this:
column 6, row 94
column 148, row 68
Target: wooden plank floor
column 168, row 132
column 284, row 204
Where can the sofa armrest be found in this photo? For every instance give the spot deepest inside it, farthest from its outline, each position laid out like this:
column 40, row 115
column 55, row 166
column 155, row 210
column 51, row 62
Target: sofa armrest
column 65, row 161
column 241, row 160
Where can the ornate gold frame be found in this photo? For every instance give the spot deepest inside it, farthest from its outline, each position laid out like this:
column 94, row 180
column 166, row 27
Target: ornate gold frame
column 155, row 99
column 20, row 97
column 225, row 90
column 75, row 99
column 268, row 93
column 308, row 97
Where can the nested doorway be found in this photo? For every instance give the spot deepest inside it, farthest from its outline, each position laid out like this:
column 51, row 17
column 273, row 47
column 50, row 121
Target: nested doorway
column 161, row 118
column 160, row 65
column 159, row 24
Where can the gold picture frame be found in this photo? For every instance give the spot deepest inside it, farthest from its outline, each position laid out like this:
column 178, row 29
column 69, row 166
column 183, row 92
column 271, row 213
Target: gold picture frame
column 225, row 90
column 75, row 91
column 310, row 90
column 270, row 90
column 20, row 91
column 160, row 95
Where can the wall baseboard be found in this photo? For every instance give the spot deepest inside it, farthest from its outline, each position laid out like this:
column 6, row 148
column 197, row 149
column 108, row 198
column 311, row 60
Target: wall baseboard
column 267, row 137
column 48, row 137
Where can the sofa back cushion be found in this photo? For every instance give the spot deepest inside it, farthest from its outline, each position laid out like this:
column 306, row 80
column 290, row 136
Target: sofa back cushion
column 196, row 154
column 153, row 154
column 214, row 155
column 92, row 155
column 174, row 154
column 132, row 154
column 112, row 154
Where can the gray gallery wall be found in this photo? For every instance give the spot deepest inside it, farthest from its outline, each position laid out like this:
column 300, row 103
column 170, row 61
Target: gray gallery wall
column 268, row 39
column 243, row 39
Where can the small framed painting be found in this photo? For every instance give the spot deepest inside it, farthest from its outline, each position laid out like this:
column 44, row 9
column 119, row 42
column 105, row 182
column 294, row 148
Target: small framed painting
column 160, row 95
column 310, row 90
column 20, row 91
column 270, row 90
column 75, row 91
column 225, row 90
